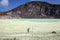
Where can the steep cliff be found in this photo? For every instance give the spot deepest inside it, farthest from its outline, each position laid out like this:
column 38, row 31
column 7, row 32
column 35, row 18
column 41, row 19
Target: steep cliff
column 35, row 9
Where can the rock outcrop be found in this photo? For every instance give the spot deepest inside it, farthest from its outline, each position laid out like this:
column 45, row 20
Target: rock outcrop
column 34, row 9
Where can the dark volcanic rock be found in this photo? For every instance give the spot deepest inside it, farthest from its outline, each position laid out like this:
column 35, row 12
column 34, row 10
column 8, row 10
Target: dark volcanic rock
column 35, row 9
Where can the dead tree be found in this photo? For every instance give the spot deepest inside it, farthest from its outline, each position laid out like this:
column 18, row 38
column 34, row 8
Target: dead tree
column 28, row 30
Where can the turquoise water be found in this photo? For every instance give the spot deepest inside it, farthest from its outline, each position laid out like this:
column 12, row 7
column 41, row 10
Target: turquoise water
column 46, row 20
column 36, row 20
column 40, row 20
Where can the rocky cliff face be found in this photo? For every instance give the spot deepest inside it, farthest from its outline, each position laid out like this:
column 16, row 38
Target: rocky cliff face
column 34, row 9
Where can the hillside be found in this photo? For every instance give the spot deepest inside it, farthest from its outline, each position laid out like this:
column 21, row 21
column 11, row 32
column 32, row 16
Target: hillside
column 34, row 9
